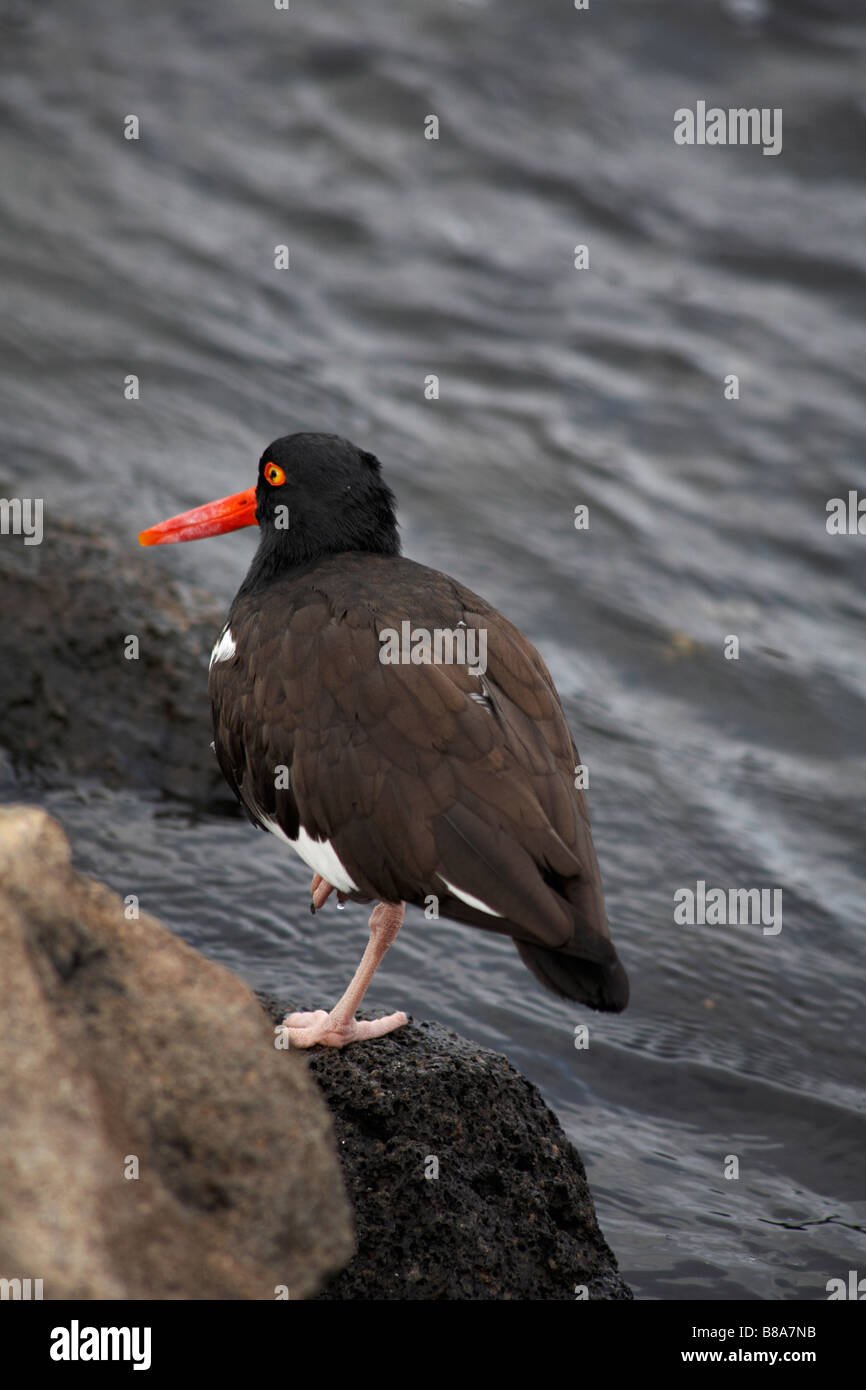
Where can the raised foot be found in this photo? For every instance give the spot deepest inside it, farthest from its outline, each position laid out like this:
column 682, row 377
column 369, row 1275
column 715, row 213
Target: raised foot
column 323, row 1030
column 320, row 891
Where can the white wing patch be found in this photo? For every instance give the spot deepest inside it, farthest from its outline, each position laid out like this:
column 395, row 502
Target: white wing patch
column 225, row 648
column 469, row 900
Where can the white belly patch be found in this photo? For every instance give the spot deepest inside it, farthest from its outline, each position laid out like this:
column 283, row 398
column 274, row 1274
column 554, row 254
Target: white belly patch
column 320, row 855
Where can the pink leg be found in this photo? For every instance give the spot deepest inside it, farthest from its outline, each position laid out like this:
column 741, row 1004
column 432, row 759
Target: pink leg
column 339, row 1027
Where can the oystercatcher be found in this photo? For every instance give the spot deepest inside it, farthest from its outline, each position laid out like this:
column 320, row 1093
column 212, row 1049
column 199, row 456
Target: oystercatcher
column 397, row 731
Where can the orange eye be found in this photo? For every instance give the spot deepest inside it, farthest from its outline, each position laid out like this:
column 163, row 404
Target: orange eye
column 274, row 474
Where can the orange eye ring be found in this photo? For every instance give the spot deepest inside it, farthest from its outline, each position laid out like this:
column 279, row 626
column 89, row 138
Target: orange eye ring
column 274, row 474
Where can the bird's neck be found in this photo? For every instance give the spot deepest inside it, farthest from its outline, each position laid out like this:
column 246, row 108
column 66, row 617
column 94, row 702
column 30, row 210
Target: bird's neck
column 282, row 553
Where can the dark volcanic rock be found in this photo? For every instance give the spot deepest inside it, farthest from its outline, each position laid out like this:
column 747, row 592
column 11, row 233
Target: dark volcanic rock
column 510, row 1215
column 119, row 1041
column 71, row 703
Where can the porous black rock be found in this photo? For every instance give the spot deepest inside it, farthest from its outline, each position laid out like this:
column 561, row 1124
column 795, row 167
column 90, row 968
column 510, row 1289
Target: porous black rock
column 510, row 1214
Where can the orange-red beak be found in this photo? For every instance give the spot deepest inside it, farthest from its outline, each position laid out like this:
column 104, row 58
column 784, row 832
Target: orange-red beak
column 213, row 519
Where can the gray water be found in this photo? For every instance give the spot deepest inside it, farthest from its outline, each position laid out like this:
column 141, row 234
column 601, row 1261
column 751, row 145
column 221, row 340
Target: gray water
column 558, row 387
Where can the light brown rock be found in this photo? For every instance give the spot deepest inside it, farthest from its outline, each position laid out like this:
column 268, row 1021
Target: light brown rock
column 120, row 1040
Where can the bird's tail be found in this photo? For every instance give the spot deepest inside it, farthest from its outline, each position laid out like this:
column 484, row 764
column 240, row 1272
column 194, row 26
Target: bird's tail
column 602, row 983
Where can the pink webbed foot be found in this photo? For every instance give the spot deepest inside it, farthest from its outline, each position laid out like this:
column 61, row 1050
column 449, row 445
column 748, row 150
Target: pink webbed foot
column 323, row 1029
